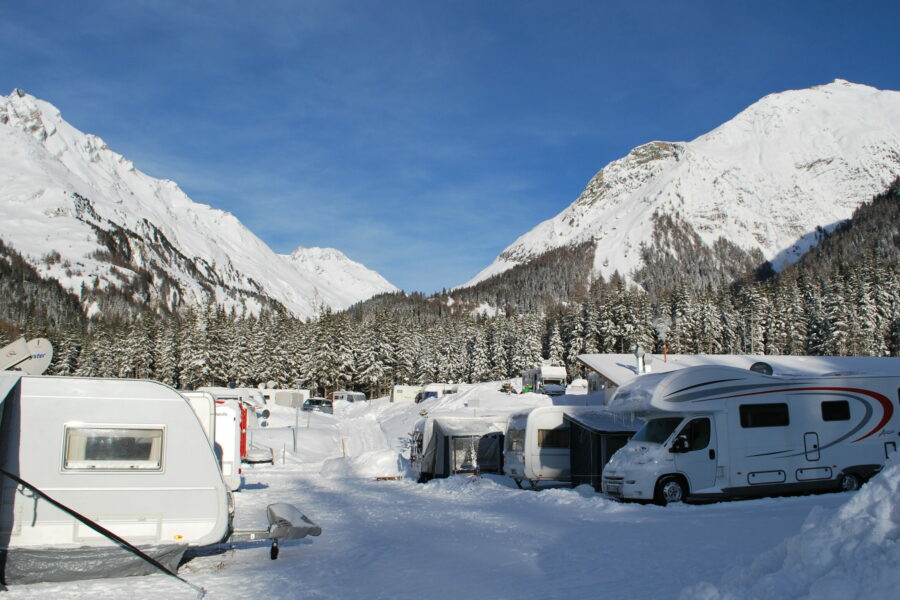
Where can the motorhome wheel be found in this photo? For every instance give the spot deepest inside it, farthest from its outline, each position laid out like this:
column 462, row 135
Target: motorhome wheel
column 849, row 482
column 670, row 490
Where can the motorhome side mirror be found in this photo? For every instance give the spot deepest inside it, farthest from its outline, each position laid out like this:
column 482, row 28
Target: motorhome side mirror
column 680, row 444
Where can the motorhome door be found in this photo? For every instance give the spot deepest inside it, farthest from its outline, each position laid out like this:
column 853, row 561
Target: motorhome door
column 699, row 462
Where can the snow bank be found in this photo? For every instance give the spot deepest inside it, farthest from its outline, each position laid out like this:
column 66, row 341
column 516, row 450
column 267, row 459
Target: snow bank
column 850, row 552
column 371, row 465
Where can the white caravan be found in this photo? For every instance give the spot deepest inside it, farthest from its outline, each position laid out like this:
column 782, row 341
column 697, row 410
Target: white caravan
column 251, row 413
column 347, row 396
column 717, row 431
column 84, row 460
column 537, row 446
column 405, row 393
column 290, row 397
column 546, row 379
column 228, row 441
column 204, row 406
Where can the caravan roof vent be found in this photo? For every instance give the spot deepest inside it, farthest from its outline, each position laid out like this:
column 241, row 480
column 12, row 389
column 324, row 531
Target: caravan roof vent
column 761, row 367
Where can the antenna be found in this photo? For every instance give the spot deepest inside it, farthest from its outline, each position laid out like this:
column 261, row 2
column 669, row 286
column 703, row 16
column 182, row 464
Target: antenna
column 761, row 367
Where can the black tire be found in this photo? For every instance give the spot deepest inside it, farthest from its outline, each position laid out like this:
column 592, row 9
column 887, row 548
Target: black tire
column 848, row 482
column 670, row 490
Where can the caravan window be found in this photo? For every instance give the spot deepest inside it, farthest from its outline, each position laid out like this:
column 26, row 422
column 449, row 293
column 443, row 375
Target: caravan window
column 515, row 440
column 836, row 410
column 113, row 449
column 553, row 438
column 764, row 415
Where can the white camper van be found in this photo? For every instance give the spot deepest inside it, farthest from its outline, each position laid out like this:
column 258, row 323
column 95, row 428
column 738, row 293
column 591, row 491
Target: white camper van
column 84, row 459
column 546, row 379
column 719, row 431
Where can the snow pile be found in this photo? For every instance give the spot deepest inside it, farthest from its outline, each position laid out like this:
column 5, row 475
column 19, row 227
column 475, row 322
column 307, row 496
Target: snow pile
column 374, row 464
column 851, row 552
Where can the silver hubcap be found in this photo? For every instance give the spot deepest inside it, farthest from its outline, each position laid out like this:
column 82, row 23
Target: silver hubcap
column 672, row 491
column 849, row 483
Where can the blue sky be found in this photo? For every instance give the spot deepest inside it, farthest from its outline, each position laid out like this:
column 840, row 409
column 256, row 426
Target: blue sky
column 419, row 137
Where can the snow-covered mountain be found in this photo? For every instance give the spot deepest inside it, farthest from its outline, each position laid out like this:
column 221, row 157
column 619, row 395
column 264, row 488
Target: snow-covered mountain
column 84, row 215
column 343, row 273
column 764, row 181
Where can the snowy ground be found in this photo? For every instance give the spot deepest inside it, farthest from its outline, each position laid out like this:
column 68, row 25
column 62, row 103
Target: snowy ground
column 471, row 538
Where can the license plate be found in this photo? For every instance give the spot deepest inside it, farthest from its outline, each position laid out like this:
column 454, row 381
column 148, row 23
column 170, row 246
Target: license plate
column 613, row 489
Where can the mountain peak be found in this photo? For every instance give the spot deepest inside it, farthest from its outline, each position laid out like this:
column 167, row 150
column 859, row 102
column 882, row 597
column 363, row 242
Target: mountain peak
column 116, row 228
column 764, row 181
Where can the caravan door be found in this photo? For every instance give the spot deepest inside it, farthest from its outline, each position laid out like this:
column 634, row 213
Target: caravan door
column 699, row 462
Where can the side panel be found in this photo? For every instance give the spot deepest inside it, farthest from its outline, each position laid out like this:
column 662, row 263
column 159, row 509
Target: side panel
column 547, row 446
column 182, row 500
column 228, row 442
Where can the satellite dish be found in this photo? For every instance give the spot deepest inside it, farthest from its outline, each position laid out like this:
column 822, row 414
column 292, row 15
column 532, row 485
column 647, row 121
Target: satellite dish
column 14, row 354
column 761, row 367
column 40, row 355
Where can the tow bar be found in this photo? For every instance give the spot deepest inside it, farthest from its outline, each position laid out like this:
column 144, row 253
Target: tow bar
column 285, row 523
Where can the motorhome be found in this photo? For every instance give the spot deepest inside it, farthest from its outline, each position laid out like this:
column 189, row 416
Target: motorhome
column 87, row 459
column 546, row 379
column 405, row 393
column 347, row 396
column 444, row 446
column 716, row 431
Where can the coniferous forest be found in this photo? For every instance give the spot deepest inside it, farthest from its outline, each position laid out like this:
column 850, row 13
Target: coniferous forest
column 842, row 298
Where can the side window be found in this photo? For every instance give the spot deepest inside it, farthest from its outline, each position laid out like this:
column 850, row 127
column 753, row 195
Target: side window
column 764, row 415
column 836, row 410
column 113, row 449
column 697, row 432
column 515, row 440
column 553, row 438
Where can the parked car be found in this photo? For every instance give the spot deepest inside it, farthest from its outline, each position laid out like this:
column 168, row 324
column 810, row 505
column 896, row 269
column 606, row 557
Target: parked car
column 322, row 405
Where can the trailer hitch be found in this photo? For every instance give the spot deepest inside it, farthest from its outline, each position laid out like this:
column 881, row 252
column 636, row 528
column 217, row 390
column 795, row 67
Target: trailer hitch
column 285, row 523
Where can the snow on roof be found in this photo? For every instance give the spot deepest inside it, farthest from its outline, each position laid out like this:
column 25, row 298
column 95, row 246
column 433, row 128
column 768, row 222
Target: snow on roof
column 603, row 420
column 620, row 369
column 450, row 426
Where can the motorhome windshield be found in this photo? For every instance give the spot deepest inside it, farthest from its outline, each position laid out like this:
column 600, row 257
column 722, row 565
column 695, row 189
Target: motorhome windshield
column 657, row 431
column 553, row 382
